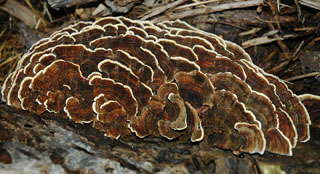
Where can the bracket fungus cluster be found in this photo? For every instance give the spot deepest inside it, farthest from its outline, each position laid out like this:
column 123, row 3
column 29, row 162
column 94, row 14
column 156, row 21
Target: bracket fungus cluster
column 166, row 80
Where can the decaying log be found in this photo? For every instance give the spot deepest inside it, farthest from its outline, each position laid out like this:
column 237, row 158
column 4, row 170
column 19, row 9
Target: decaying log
column 50, row 144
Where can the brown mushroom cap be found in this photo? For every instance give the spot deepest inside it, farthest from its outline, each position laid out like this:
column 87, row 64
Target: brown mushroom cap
column 112, row 113
column 167, row 88
column 166, row 131
column 5, row 88
column 181, row 121
column 295, row 109
column 196, row 128
column 195, row 87
column 312, row 103
column 167, row 80
column 115, row 91
column 221, row 129
column 254, row 138
column 239, row 54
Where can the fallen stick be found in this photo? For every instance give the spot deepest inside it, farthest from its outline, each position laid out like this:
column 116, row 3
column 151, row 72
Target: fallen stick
column 200, row 11
column 303, row 76
column 162, row 9
column 21, row 12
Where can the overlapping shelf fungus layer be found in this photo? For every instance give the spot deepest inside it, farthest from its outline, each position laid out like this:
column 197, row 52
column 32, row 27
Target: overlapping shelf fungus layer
column 166, row 80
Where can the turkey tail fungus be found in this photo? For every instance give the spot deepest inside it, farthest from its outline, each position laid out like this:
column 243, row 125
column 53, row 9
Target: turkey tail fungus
column 166, row 80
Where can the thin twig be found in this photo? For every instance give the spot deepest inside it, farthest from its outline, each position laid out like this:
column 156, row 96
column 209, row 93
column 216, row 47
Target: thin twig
column 278, row 68
column 298, row 9
column 220, row 22
column 266, row 21
column 18, row 10
column 298, row 49
column 163, row 8
column 200, row 11
column 259, row 41
column 36, row 12
column 46, row 11
column 306, row 29
column 250, row 32
column 194, row 4
column 303, row 76
column 283, row 46
column 311, row 3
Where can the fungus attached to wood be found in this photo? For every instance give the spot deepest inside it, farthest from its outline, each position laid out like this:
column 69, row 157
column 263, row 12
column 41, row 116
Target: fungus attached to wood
column 167, row 80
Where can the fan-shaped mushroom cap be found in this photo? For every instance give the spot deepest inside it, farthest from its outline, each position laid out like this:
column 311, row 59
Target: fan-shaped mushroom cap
column 119, row 72
column 5, row 88
column 295, row 109
column 221, row 123
column 195, row 87
column 312, row 103
column 167, row 80
column 181, row 121
column 197, row 132
column 112, row 113
column 177, row 50
column 254, row 137
column 167, row 88
column 107, row 20
column 166, row 130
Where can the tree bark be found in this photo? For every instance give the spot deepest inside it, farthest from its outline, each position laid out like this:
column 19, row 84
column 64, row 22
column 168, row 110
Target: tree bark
column 49, row 144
